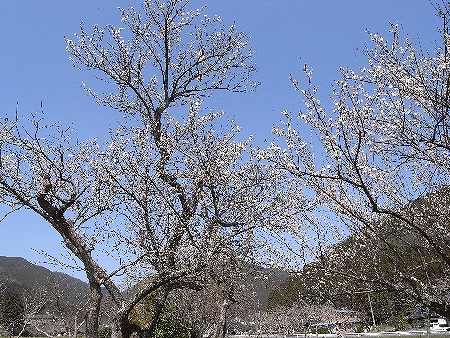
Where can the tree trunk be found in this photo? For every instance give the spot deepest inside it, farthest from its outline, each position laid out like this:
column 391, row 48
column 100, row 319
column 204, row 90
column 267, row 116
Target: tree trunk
column 122, row 328
column 93, row 312
column 157, row 312
column 221, row 325
column 193, row 333
column 442, row 309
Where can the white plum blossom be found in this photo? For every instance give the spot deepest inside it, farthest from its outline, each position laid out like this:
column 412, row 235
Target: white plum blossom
column 378, row 163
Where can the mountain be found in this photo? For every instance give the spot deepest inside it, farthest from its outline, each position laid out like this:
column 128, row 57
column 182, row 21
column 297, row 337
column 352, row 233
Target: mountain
column 70, row 290
column 263, row 281
column 31, row 277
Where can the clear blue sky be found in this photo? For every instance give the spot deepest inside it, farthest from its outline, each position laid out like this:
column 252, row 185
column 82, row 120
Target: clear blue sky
column 284, row 33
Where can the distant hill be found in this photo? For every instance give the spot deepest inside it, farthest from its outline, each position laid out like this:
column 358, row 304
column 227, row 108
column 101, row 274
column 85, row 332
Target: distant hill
column 31, row 276
column 264, row 281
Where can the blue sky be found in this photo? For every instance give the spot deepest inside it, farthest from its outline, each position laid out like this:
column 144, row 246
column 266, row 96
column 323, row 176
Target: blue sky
column 285, row 34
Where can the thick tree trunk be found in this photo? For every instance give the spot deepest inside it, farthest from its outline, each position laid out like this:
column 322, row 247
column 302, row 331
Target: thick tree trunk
column 156, row 315
column 442, row 309
column 193, row 333
column 93, row 312
column 77, row 245
column 122, row 328
column 221, row 325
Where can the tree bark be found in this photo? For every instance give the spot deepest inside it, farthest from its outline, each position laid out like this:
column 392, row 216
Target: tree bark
column 77, row 245
column 157, row 312
column 440, row 308
column 221, row 325
column 93, row 312
column 121, row 328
